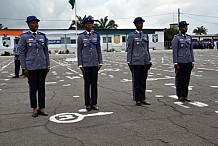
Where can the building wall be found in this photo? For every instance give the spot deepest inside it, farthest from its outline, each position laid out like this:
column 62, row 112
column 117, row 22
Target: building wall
column 62, row 40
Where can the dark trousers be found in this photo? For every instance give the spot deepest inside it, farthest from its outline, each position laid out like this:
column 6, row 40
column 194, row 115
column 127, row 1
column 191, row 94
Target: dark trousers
column 90, row 80
column 182, row 79
column 17, row 67
column 37, row 83
column 139, row 77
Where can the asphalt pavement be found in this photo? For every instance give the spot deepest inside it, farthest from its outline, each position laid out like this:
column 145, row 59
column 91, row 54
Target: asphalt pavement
column 166, row 122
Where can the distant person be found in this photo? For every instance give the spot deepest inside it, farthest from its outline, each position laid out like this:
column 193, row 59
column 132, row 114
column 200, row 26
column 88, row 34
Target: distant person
column 139, row 61
column 183, row 59
column 16, row 57
column 90, row 61
column 35, row 63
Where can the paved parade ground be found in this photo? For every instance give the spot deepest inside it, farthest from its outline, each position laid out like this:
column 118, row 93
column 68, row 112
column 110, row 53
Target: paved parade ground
column 166, row 122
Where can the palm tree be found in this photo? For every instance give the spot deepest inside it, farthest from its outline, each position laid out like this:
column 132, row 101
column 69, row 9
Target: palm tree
column 2, row 27
column 104, row 23
column 200, row 30
column 79, row 23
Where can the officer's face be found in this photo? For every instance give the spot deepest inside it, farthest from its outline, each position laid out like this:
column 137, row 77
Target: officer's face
column 33, row 25
column 183, row 29
column 139, row 25
column 88, row 26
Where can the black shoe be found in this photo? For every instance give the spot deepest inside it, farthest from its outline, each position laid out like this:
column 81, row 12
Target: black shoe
column 186, row 99
column 35, row 115
column 94, row 107
column 15, row 77
column 181, row 99
column 88, row 108
column 145, row 102
column 138, row 103
column 42, row 113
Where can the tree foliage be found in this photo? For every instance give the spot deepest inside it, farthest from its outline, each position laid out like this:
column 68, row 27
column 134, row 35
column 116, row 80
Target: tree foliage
column 169, row 33
column 103, row 23
column 2, row 27
column 200, row 30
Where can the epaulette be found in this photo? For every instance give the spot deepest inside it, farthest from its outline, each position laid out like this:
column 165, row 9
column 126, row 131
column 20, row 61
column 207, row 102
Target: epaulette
column 83, row 33
column 25, row 33
column 41, row 33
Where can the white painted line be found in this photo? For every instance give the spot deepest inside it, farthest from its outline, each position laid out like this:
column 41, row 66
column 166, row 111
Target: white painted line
column 103, row 74
column 5, row 79
column 199, row 104
column 76, row 96
column 190, row 88
column 58, row 77
column 71, row 59
column 216, row 112
column 61, row 80
column 162, row 60
column 149, row 91
column 0, row 89
column 54, row 73
column 49, row 83
column 109, row 69
column 111, row 76
column 72, row 70
column 74, row 77
column 126, row 80
column 69, row 73
column 5, row 72
column 66, row 85
column 158, row 96
column 181, row 104
column 74, row 117
column 82, row 110
column 169, row 84
column 173, row 96
column 216, row 101
column 173, row 87
column 214, row 86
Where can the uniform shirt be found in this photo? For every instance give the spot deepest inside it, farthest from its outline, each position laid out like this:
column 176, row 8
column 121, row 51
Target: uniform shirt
column 89, row 49
column 182, row 49
column 138, row 48
column 34, row 51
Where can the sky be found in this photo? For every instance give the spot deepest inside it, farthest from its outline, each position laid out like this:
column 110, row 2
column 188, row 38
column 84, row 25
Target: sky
column 57, row 14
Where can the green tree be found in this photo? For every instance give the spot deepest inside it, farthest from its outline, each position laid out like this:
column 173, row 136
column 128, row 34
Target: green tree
column 168, row 36
column 2, row 27
column 105, row 23
column 79, row 23
column 200, row 30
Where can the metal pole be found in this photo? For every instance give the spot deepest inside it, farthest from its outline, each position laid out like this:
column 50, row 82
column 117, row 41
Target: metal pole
column 76, row 26
column 107, row 42
column 178, row 15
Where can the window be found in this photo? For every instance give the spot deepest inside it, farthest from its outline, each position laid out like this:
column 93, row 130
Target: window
column 123, row 39
column 106, row 41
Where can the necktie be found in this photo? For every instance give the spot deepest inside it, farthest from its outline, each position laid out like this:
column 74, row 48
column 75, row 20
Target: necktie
column 34, row 34
column 89, row 33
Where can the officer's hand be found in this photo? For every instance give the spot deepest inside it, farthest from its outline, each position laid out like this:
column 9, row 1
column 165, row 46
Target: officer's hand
column 47, row 70
column 176, row 66
column 25, row 72
column 99, row 67
column 193, row 65
column 130, row 66
column 150, row 65
column 82, row 69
